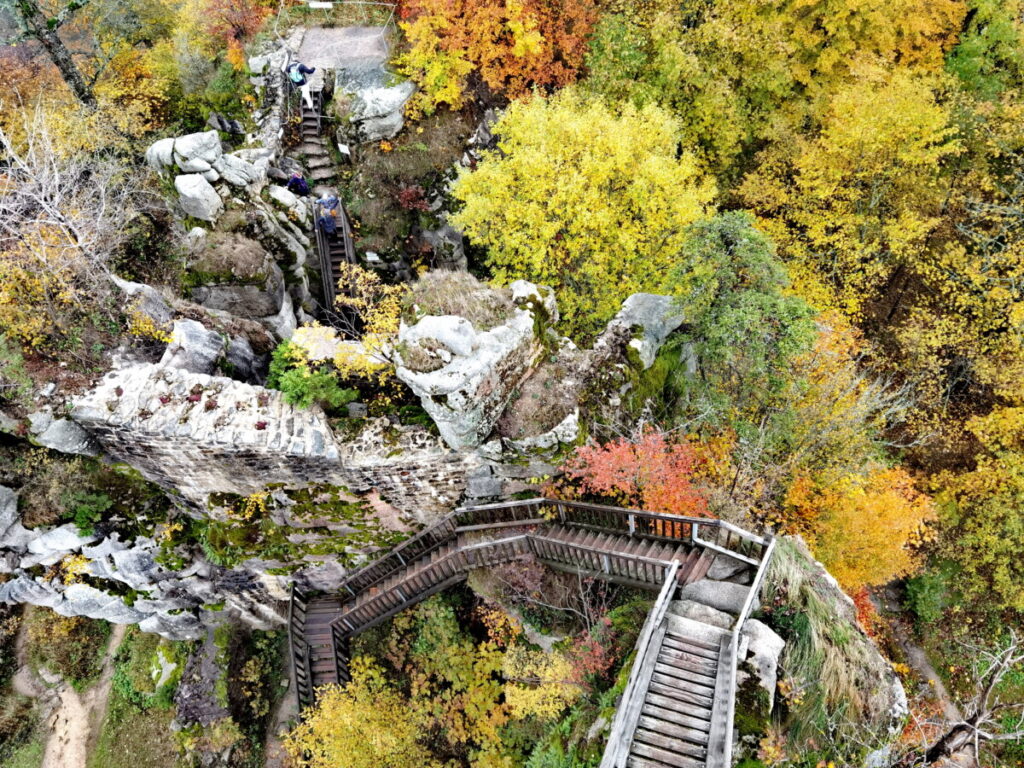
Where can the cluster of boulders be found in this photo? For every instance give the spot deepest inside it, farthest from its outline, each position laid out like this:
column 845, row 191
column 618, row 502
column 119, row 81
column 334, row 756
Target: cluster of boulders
column 198, row 161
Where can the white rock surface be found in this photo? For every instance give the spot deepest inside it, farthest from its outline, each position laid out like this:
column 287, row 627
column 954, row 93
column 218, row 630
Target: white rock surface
column 193, row 347
column 198, row 197
column 479, row 372
column 650, row 318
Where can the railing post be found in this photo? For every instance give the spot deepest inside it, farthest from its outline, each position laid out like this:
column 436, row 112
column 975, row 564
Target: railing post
column 632, row 524
column 694, row 537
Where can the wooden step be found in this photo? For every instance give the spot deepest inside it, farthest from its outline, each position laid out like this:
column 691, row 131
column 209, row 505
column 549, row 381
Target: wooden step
column 691, row 735
column 668, row 742
column 664, row 757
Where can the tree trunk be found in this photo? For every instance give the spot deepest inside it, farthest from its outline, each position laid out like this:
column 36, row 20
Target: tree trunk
column 956, row 739
column 45, row 31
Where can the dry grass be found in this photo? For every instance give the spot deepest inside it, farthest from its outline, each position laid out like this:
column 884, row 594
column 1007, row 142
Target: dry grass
column 458, row 293
column 838, row 675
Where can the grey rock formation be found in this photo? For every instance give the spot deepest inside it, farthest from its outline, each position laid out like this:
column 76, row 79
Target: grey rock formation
column 67, row 437
column 193, row 348
column 648, row 319
column 162, row 420
column 198, row 198
column 146, row 299
column 238, row 172
column 239, row 277
column 720, row 595
column 378, row 113
column 764, row 648
column 204, row 147
column 691, row 609
column 449, row 249
column 476, row 371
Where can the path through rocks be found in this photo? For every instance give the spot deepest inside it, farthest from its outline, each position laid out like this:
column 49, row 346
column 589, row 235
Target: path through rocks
column 74, row 719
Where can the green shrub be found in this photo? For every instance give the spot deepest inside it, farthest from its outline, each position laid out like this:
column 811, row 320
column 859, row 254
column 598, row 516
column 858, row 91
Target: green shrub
column 88, row 509
column 72, row 647
column 927, row 596
column 303, row 385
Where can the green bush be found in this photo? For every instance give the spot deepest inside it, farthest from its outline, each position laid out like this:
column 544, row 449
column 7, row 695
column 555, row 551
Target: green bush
column 72, row 647
column 88, row 509
column 304, row 385
column 927, row 596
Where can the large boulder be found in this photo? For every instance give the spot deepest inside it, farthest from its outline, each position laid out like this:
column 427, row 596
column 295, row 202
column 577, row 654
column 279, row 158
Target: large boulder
column 647, row 319
column 720, row 595
column 198, row 197
column 67, row 437
column 202, row 147
column 465, row 376
column 764, row 648
column 193, row 348
column 378, row 113
column 238, row 172
column 146, row 299
column 238, row 276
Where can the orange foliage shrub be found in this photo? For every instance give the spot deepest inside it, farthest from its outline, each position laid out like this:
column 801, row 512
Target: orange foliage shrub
column 866, row 529
column 235, row 21
column 653, row 473
column 513, row 45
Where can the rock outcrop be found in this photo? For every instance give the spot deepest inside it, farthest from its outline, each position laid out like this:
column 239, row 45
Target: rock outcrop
column 465, row 376
column 198, row 435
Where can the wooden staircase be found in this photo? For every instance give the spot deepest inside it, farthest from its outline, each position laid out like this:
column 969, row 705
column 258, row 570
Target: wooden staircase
column 681, row 719
column 677, row 709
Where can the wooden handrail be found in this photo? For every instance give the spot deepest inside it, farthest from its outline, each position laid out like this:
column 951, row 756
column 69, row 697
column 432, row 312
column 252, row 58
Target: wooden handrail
column 621, row 734
column 734, row 645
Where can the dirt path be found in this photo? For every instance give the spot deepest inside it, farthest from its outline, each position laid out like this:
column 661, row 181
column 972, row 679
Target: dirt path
column 75, row 719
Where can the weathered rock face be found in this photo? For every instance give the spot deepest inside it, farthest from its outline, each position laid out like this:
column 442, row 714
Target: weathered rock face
column 193, row 348
column 198, row 197
column 170, row 603
column 201, row 434
column 464, row 376
column 239, row 277
column 371, row 108
column 647, row 320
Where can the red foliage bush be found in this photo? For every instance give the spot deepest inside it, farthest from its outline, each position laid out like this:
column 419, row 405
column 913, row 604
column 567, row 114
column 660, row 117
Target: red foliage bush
column 654, row 473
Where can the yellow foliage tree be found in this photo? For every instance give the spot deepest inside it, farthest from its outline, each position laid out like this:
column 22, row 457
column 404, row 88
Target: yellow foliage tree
column 854, row 206
column 587, row 199
column 866, row 529
column 364, row 724
column 539, row 683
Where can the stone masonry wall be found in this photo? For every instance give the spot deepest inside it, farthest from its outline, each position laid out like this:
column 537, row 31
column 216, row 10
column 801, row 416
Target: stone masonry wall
column 200, row 434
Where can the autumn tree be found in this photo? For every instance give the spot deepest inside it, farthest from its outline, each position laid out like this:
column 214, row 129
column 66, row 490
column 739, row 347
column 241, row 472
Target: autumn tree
column 743, row 329
column 742, row 73
column 591, row 200
column 63, row 216
column 854, row 208
column 511, row 45
column 653, row 472
column 42, row 23
column 867, row 529
column 364, row 724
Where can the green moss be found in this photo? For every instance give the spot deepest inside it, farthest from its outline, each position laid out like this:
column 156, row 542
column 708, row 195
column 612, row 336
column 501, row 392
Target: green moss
column 239, row 538
column 753, row 705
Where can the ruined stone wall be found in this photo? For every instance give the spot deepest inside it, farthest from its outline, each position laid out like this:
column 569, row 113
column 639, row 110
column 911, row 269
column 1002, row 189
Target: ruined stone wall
column 200, row 434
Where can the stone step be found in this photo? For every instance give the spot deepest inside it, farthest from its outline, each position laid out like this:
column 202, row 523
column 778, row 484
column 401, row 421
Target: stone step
column 322, row 174
column 311, row 147
column 318, row 161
